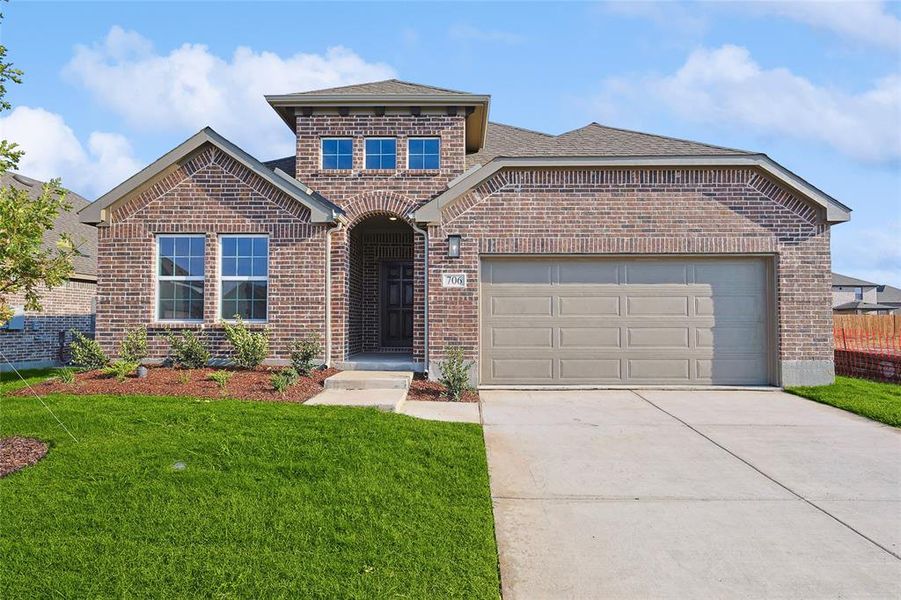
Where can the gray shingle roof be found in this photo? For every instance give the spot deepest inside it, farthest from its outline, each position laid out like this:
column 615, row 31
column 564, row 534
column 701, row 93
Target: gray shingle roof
column 844, row 280
column 860, row 305
column 889, row 294
column 387, row 87
column 85, row 236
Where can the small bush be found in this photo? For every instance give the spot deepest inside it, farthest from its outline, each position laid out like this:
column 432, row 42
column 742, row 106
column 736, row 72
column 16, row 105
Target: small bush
column 134, row 345
column 184, row 378
column 455, row 373
column 120, row 369
column 249, row 349
column 66, row 376
column 86, row 353
column 187, row 350
column 302, row 354
column 220, row 377
column 282, row 380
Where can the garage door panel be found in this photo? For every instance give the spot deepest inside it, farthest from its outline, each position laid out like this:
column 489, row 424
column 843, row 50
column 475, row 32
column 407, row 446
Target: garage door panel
column 625, row 321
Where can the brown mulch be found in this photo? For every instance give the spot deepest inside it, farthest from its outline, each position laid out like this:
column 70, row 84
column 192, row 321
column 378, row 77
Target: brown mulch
column 167, row 381
column 423, row 389
column 19, row 452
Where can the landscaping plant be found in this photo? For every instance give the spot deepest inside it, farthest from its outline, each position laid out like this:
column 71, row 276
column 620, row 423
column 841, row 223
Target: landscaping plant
column 283, row 379
column 86, row 352
column 221, row 378
column 134, row 345
column 302, row 354
column 249, row 349
column 66, row 376
column 187, row 350
column 120, row 369
column 455, row 373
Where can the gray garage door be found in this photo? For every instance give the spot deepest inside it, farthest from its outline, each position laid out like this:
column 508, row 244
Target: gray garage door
column 624, row 321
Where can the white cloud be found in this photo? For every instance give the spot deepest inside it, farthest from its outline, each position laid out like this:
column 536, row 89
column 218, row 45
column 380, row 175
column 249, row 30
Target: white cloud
column 52, row 150
column 190, row 87
column 726, row 86
column 470, row 33
column 868, row 253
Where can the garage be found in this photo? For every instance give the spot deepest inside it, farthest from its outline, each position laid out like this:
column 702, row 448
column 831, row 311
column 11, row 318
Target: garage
column 626, row 321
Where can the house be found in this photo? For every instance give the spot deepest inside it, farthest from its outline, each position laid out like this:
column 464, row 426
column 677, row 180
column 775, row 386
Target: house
column 858, row 297
column 33, row 339
column 887, row 295
column 406, row 223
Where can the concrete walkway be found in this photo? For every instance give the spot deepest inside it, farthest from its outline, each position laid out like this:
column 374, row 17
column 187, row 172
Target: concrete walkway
column 691, row 494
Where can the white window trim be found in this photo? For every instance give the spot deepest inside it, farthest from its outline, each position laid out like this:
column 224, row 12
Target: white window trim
column 381, row 137
column 220, row 277
column 157, row 278
column 427, row 137
column 322, row 154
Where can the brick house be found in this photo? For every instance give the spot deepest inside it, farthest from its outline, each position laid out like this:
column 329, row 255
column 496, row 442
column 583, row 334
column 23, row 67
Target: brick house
column 33, row 339
column 406, row 223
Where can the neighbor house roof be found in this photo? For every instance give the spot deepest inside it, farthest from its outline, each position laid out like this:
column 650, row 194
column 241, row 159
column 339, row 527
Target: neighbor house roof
column 389, row 93
column 860, row 305
column 843, row 280
column 886, row 294
column 67, row 222
column 321, row 210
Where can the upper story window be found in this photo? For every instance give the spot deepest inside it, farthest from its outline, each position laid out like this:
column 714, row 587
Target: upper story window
column 423, row 153
column 381, row 153
column 337, row 153
column 180, row 278
column 244, row 261
column 858, row 293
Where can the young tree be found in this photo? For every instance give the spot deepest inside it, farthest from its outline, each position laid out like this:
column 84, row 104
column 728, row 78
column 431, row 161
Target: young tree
column 25, row 265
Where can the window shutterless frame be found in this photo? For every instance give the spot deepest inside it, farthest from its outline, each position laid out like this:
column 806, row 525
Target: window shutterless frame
column 254, row 275
column 381, row 154
column 337, row 149
column 423, row 153
column 192, row 275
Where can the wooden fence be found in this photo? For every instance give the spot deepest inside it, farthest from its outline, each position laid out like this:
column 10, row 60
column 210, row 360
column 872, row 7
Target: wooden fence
column 868, row 346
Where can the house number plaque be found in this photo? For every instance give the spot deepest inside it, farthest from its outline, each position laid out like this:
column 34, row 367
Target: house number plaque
column 453, row 280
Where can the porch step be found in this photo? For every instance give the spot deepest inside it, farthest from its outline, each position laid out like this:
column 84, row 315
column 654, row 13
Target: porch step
column 379, row 364
column 388, row 400
column 370, row 380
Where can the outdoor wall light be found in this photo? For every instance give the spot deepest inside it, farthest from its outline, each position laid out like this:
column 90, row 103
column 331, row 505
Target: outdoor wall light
column 453, row 246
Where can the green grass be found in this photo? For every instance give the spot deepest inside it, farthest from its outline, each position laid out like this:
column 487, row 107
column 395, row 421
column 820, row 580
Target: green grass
column 9, row 381
column 877, row 401
column 276, row 500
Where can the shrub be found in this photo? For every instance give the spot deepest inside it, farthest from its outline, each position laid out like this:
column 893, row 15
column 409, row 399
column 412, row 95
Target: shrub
column 184, row 378
column 249, row 349
column 134, row 345
column 187, row 350
column 220, row 377
column 66, row 376
column 283, row 379
column 455, row 373
column 120, row 369
column 86, row 352
column 302, row 354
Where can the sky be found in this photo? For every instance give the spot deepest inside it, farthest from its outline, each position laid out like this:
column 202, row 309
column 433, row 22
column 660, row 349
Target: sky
column 111, row 86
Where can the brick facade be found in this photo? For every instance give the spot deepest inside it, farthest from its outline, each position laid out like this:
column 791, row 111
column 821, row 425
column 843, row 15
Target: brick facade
column 67, row 307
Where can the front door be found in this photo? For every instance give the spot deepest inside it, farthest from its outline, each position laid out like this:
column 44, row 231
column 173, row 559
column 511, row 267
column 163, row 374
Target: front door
column 397, row 303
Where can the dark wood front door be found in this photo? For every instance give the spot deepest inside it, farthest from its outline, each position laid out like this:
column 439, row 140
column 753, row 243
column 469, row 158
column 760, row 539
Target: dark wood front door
column 397, row 303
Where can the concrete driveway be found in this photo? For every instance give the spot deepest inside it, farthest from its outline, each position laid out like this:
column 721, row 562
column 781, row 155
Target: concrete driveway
column 691, row 494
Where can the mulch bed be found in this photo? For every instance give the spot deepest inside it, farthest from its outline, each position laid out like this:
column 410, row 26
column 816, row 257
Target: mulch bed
column 19, row 452
column 423, row 389
column 167, row 381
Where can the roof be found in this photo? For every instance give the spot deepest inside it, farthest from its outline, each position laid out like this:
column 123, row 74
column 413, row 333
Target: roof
column 393, row 93
column 888, row 294
column 843, row 280
column 859, row 305
column 84, row 236
column 321, row 210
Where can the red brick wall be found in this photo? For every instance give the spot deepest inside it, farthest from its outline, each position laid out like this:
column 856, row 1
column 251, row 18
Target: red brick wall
column 631, row 211
column 211, row 194
column 69, row 306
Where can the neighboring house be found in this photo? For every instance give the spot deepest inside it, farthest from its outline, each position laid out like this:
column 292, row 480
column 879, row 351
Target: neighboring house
column 407, row 223
column 857, row 297
column 38, row 338
column 887, row 295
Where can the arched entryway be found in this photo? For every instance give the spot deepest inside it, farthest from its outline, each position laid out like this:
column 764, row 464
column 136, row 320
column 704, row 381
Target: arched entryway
column 381, row 288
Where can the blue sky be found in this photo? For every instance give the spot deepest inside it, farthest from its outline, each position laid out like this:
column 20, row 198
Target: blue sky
column 109, row 87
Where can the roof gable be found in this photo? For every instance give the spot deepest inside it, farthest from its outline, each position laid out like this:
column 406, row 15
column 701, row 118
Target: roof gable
column 383, row 88
column 321, row 210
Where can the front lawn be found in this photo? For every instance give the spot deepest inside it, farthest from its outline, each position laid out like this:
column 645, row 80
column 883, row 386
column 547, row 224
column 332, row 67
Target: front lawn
column 878, row 401
column 274, row 500
column 10, row 381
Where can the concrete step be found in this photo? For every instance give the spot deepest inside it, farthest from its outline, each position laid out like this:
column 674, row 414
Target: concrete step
column 388, row 400
column 370, row 380
column 379, row 364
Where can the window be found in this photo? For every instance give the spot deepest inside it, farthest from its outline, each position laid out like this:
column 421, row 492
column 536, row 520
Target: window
column 858, row 293
column 423, row 153
column 179, row 278
column 381, row 153
column 337, row 153
column 245, row 276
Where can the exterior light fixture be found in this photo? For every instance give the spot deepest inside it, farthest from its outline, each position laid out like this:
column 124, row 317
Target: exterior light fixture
column 453, row 246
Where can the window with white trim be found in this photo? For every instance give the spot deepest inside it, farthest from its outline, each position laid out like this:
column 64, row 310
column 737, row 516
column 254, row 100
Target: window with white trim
column 858, row 293
column 244, row 272
column 381, row 153
column 337, row 153
column 423, row 154
column 180, row 266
